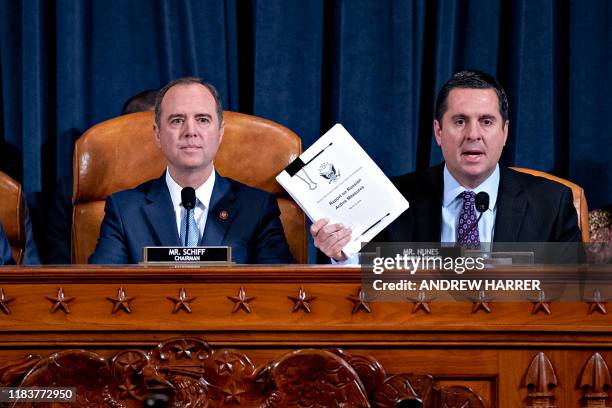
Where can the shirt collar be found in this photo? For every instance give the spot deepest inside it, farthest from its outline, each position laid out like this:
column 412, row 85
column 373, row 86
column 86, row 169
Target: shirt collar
column 452, row 188
column 203, row 193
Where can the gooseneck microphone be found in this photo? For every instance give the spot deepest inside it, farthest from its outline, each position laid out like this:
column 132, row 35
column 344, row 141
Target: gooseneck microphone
column 482, row 204
column 188, row 201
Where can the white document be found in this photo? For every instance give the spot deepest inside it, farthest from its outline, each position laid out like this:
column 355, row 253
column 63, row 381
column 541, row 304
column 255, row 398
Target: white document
column 336, row 179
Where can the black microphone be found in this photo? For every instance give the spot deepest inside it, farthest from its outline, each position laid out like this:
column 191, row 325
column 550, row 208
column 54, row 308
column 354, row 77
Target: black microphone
column 188, row 200
column 482, row 202
column 482, row 205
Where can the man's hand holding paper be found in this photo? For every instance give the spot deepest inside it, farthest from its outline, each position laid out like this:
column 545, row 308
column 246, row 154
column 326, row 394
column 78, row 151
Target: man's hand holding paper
column 331, row 238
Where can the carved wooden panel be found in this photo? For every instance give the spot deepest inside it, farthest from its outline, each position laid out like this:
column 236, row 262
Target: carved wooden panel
column 540, row 380
column 595, row 382
column 459, row 343
column 189, row 373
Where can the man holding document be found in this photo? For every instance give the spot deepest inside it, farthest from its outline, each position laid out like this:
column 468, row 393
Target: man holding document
column 470, row 198
column 336, row 178
column 190, row 204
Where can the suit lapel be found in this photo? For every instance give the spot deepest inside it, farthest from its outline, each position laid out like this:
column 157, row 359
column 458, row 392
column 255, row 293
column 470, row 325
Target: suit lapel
column 422, row 222
column 511, row 207
column 428, row 206
column 160, row 215
column 221, row 214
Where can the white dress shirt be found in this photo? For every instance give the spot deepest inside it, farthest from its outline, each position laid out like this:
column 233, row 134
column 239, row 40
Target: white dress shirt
column 203, row 194
column 452, row 203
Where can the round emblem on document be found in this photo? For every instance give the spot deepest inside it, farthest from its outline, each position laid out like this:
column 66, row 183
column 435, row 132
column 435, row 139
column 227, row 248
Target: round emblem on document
column 223, row 215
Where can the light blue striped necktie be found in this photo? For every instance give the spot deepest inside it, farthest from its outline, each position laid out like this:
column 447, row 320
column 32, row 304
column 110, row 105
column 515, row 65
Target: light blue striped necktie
column 194, row 233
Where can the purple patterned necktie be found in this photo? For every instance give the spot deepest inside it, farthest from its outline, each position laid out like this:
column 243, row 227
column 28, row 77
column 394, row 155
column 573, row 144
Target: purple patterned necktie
column 467, row 228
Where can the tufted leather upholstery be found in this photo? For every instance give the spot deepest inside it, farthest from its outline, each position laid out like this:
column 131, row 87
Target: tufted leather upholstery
column 121, row 153
column 12, row 215
column 579, row 199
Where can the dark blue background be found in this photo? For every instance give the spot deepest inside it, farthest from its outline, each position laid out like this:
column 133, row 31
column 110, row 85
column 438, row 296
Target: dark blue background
column 373, row 65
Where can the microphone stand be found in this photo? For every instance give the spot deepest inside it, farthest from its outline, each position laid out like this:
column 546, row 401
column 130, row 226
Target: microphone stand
column 188, row 200
column 187, row 225
column 482, row 205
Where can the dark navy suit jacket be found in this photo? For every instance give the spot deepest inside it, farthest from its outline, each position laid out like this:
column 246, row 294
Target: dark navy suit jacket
column 6, row 257
column 144, row 216
column 529, row 209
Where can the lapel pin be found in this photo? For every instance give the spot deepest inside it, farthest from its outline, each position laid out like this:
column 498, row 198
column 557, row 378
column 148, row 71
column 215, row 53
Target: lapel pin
column 223, row 215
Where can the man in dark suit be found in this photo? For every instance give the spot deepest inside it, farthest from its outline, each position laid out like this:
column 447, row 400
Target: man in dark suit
column 529, row 209
column 189, row 129
column 6, row 258
column 471, row 126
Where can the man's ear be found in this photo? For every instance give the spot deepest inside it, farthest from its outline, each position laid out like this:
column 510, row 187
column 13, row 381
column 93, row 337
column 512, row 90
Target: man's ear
column 156, row 131
column 221, row 131
column 437, row 132
column 506, row 125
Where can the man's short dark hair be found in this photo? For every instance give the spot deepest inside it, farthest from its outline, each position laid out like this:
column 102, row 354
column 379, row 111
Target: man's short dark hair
column 141, row 102
column 187, row 81
column 471, row 80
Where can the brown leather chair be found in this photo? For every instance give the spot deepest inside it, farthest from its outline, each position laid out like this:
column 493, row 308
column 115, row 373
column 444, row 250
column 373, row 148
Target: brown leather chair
column 12, row 215
column 121, row 153
column 579, row 199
